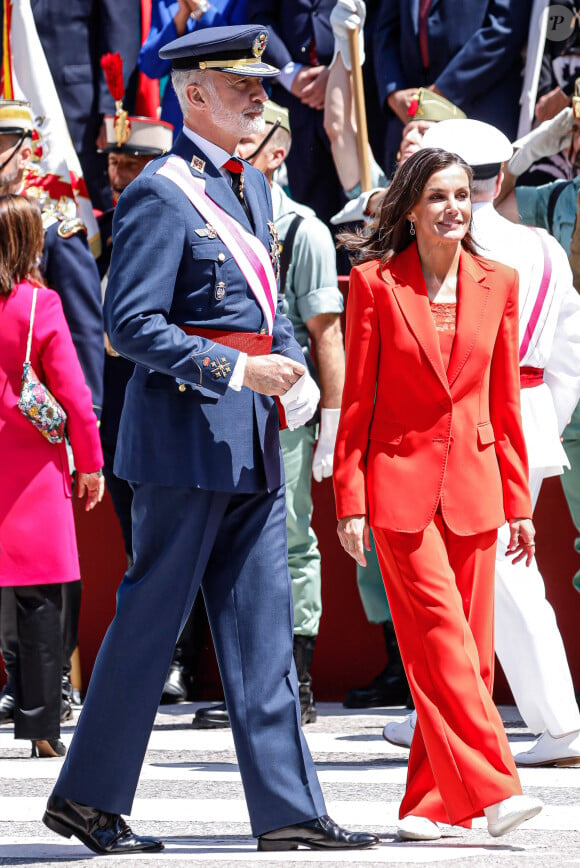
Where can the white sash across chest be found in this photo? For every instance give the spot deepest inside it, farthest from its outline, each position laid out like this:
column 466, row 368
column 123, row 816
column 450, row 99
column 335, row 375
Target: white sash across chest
column 248, row 251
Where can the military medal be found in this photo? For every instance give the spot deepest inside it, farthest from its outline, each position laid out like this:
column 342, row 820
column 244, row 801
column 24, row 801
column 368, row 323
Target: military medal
column 274, row 248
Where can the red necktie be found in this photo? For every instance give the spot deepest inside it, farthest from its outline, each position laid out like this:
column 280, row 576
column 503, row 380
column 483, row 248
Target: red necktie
column 236, row 169
column 424, row 7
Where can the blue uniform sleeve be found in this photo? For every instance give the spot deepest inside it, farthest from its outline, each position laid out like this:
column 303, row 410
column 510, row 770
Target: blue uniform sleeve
column 151, row 257
column 488, row 54
column 163, row 30
column 69, row 269
column 386, row 50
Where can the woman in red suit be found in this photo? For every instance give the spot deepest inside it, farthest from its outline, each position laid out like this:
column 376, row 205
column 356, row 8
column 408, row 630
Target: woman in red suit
column 430, row 454
column 38, row 550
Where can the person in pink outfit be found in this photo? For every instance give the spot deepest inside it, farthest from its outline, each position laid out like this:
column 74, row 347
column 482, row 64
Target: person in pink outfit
column 38, row 549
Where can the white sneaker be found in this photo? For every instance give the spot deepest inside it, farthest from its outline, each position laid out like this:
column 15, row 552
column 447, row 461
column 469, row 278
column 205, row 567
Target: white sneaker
column 551, row 750
column 413, row 828
column 401, row 733
column 510, row 813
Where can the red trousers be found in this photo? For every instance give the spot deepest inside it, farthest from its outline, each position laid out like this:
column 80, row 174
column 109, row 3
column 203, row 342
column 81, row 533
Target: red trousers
column 440, row 591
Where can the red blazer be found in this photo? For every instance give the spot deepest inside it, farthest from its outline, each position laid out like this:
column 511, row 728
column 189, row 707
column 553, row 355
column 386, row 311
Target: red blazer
column 431, row 435
column 37, row 532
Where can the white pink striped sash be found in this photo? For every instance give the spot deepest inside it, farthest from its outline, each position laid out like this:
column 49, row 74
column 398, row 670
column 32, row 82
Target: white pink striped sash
column 248, row 251
column 540, row 298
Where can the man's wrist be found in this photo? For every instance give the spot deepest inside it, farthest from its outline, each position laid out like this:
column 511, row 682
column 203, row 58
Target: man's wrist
column 288, row 73
column 237, row 378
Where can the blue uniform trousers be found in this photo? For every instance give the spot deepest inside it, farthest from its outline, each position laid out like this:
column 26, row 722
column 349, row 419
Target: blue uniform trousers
column 235, row 547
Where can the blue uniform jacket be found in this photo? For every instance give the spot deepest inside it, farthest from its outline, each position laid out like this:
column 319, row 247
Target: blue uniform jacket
column 181, row 424
column 68, row 267
column 474, row 54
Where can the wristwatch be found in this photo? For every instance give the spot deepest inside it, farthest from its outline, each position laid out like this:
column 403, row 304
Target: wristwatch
column 202, row 8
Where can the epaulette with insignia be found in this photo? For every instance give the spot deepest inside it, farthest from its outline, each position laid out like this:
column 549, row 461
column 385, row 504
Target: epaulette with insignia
column 71, row 226
column 50, row 216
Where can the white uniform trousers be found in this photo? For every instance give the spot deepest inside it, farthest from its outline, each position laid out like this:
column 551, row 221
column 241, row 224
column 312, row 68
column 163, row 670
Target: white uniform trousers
column 528, row 642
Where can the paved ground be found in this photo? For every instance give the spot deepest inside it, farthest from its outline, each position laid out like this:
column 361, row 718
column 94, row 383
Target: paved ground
column 190, row 794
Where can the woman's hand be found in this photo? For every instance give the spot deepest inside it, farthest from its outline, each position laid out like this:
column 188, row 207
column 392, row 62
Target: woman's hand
column 522, row 533
column 94, row 486
column 354, row 535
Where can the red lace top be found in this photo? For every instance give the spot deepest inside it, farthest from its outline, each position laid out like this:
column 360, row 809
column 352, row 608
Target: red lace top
column 444, row 315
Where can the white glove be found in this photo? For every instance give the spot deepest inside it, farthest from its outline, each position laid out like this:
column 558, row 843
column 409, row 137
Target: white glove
column 324, row 452
column 348, row 15
column 300, row 401
column 549, row 138
column 356, row 209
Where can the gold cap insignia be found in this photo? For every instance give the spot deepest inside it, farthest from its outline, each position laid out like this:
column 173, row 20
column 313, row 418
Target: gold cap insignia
column 259, row 44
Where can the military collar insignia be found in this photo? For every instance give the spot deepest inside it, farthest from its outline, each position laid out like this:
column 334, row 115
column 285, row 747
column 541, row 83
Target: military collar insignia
column 198, row 164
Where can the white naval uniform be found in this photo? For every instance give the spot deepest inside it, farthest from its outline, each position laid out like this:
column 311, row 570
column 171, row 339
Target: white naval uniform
column 527, row 639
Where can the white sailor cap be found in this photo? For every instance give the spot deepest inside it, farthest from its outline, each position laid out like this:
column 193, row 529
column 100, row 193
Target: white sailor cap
column 482, row 146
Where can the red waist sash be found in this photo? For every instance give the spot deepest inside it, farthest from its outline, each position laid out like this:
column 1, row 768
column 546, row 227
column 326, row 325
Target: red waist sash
column 246, row 342
column 530, row 377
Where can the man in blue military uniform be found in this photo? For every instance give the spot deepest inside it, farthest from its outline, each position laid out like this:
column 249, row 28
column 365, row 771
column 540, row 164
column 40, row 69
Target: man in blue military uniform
column 192, row 300
column 69, row 268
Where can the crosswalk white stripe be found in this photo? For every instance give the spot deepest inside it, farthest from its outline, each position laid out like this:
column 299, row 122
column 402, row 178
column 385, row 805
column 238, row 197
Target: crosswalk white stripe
column 220, row 811
column 206, row 771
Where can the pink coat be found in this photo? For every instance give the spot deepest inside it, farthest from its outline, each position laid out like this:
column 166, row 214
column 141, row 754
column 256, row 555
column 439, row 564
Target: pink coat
column 37, row 532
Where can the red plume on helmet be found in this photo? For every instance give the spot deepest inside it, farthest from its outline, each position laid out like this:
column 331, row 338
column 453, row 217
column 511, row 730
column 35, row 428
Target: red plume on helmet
column 112, row 66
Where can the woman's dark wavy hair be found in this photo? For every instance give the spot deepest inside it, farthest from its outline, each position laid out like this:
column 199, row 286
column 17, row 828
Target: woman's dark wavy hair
column 21, row 240
column 390, row 234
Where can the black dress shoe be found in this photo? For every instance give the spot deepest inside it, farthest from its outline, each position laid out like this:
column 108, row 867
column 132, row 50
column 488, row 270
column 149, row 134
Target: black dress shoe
column 66, row 711
column 211, row 717
column 100, row 832
column 390, row 687
column 6, row 707
column 319, row 834
column 175, row 688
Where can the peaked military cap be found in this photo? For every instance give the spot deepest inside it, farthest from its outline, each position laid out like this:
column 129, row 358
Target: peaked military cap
column 276, row 114
column 429, row 106
column 146, row 136
column 234, row 49
column 482, row 146
column 15, row 116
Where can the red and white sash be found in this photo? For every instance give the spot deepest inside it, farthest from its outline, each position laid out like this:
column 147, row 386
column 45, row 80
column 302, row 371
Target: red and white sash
column 248, row 251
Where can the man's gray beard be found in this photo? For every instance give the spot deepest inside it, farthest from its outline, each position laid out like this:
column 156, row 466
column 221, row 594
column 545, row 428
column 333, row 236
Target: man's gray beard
column 245, row 124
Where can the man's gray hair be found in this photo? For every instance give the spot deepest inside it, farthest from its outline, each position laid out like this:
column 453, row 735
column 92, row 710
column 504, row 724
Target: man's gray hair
column 484, row 188
column 182, row 78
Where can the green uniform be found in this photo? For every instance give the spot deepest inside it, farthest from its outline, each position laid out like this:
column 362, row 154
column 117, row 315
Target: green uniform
column 311, row 288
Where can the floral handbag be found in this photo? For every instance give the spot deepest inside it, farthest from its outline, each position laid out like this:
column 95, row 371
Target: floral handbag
column 36, row 402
